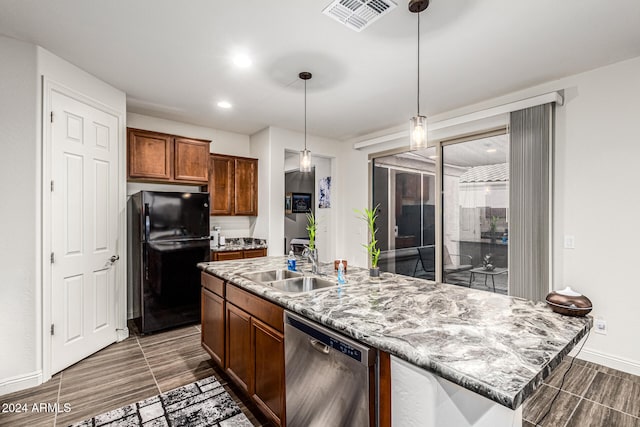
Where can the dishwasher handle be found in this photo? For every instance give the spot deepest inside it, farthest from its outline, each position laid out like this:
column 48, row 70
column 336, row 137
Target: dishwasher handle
column 327, row 339
column 317, row 345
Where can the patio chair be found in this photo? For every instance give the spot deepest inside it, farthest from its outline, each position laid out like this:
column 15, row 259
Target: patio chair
column 427, row 258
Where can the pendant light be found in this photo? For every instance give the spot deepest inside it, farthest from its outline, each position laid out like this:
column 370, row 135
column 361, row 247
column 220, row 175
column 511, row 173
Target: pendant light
column 305, row 155
column 418, row 123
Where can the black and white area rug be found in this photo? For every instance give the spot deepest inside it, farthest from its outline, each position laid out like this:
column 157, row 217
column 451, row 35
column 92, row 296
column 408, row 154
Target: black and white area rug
column 203, row 403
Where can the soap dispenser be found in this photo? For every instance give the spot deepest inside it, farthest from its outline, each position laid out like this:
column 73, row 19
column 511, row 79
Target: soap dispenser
column 341, row 279
column 291, row 261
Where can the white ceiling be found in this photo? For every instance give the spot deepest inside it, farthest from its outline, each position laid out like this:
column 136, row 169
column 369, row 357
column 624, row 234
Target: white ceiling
column 173, row 58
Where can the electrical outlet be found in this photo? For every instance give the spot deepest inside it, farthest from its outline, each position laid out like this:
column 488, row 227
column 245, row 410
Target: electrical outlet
column 600, row 326
column 569, row 242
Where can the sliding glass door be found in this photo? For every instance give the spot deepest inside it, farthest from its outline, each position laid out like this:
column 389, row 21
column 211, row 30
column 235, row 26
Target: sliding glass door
column 475, row 213
column 404, row 188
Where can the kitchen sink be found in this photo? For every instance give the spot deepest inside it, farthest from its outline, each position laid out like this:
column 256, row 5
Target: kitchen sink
column 271, row 275
column 301, row 284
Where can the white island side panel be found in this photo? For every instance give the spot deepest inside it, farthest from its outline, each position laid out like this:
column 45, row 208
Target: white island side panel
column 421, row 399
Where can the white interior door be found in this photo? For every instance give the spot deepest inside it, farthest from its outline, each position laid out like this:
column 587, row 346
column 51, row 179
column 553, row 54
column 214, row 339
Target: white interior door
column 84, row 225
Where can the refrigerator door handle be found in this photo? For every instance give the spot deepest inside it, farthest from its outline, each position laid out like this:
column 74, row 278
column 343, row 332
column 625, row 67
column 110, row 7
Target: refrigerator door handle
column 147, row 222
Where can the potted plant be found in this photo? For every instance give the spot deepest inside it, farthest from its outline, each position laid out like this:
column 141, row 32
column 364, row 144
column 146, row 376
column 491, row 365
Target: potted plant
column 312, row 227
column 369, row 216
column 311, row 251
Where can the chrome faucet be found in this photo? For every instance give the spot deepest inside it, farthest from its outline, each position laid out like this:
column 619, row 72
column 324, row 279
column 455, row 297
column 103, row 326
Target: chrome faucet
column 312, row 255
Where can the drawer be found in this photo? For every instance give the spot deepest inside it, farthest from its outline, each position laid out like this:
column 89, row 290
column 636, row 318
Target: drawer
column 255, row 253
column 269, row 313
column 212, row 283
column 226, row 255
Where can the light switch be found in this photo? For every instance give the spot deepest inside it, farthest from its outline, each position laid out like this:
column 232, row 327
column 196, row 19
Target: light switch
column 569, row 242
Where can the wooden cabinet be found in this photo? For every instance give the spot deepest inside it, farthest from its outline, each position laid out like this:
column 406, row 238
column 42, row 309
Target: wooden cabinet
column 246, row 187
column 213, row 317
column 225, row 255
column 254, row 253
column 265, row 342
column 159, row 157
column 233, row 185
column 191, row 160
column 149, row 155
column 239, row 359
column 231, row 255
column 244, row 334
column 268, row 369
column 221, row 184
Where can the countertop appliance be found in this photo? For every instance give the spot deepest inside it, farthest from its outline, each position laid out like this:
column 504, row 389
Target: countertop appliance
column 329, row 377
column 215, row 236
column 168, row 236
column 569, row 302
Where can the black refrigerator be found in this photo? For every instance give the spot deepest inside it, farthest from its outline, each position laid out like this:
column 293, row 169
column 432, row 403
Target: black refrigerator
column 168, row 236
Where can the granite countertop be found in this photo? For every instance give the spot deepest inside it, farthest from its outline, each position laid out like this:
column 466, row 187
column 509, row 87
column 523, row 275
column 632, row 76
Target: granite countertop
column 497, row 346
column 240, row 244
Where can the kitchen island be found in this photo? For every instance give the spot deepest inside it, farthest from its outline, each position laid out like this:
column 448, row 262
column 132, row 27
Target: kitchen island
column 495, row 346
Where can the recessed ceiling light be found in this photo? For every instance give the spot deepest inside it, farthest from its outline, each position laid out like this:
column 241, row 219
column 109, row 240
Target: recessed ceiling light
column 224, row 104
column 241, row 60
column 491, row 150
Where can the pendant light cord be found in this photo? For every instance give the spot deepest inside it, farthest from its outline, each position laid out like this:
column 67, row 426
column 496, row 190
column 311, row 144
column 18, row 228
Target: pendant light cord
column 418, row 96
column 305, row 115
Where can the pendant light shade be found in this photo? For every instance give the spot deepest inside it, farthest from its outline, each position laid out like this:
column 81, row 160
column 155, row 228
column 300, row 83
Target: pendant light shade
column 305, row 161
column 305, row 155
column 418, row 132
column 418, row 123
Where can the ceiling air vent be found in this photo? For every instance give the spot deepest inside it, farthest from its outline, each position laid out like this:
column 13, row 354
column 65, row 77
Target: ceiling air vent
column 358, row 14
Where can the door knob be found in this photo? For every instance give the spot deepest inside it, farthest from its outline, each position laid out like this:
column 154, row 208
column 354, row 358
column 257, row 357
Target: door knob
column 114, row 258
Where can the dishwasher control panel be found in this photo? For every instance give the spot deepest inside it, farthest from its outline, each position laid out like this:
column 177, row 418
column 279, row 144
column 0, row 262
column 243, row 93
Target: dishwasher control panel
column 342, row 345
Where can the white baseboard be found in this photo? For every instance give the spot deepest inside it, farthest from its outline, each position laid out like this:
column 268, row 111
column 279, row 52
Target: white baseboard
column 20, row 382
column 615, row 362
column 122, row 334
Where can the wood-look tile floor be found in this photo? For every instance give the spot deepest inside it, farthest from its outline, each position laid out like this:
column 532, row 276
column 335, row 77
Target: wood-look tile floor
column 143, row 366
column 592, row 396
column 126, row 372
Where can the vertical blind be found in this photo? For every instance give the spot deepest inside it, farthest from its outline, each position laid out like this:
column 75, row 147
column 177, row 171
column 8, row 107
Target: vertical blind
column 529, row 202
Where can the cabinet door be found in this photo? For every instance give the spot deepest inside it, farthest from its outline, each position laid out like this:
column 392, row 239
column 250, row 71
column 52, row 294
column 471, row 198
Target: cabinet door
column 191, row 160
column 149, row 155
column 226, row 255
column 268, row 379
column 246, row 187
column 212, row 326
column 221, row 179
column 238, row 346
column 254, row 253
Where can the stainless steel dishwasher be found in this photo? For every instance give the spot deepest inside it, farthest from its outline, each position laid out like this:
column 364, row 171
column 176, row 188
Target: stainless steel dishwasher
column 330, row 379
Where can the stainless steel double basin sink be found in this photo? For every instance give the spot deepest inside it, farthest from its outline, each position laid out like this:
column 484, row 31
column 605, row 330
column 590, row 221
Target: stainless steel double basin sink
column 288, row 281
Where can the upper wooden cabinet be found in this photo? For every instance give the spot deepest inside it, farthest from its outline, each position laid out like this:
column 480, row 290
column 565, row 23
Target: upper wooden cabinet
column 191, row 157
column 159, row 157
column 150, row 155
column 221, row 184
column 246, row 187
column 233, row 185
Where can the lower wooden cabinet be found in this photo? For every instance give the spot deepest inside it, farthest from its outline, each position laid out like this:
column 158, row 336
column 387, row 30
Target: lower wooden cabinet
column 225, row 255
column 268, row 367
column 212, row 325
column 244, row 334
column 238, row 344
column 254, row 253
column 231, row 255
